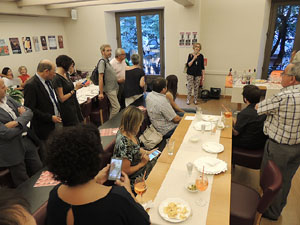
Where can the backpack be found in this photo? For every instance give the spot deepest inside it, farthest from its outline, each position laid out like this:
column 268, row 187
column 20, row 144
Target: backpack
column 205, row 94
column 95, row 74
column 215, row 93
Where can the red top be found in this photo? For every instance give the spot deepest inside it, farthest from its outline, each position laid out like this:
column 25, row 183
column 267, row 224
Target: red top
column 24, row 77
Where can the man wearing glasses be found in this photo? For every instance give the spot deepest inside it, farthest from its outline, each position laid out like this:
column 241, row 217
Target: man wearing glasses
column 283, row 128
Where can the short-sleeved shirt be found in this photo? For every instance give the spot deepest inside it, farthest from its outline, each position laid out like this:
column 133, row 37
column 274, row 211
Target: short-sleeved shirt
column 132, row 82
column 196, row 68
column 160, row 112
column 119, row 67
column 117, row 207
column 110, row 78
column 250, row 127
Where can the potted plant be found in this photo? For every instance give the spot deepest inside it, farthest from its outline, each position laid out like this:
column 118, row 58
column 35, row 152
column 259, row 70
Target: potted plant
column 15, row 94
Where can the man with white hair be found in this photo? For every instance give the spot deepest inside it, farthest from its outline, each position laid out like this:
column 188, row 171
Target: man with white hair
column 119, row 65
column 283, row 128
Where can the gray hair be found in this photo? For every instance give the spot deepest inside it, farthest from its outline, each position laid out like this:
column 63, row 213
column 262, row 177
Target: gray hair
column 44, row 65
column 118, row 52
column 102, row 47
column 295, row 71
column 135, row 59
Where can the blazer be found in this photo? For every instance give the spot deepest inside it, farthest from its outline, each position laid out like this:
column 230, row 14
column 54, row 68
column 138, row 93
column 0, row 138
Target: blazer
column 11, row 148
column 38, row 100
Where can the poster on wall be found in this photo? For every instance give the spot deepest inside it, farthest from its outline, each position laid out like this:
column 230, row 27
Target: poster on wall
column 15, row 45
column 188, row 39
column 3, row 48
column 60, row 41
column 181, row 40
column 194, row 39
column 52, row 42
column 35, row 40
column 27, row 44
column 44, row 43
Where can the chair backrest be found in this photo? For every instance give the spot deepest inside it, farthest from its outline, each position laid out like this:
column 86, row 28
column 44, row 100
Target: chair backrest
column 107, row 154
column 270, row 182
column 86, row 108
column 40, row 214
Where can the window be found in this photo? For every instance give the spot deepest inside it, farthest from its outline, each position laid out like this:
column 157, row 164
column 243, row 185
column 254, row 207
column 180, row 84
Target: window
column 283, row 35
column 142, row 33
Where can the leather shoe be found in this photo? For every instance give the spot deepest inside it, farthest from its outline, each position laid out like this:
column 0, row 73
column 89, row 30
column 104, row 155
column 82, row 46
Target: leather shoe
column 269, row 217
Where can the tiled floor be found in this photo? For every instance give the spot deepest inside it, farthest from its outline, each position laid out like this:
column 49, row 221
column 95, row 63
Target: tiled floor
column 249, row 177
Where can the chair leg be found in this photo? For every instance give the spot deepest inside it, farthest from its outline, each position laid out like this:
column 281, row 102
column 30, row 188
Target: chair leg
column 257, row 218
column 101, row 116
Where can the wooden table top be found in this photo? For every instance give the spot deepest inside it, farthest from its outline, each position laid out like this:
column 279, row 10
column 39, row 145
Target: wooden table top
column 219, row 207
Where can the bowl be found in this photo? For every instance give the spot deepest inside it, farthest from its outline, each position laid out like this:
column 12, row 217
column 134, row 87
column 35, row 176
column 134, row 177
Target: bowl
column 194, row 138
column 191, row 187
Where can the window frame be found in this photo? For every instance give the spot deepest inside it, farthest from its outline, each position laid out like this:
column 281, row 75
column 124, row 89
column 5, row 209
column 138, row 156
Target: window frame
column 138, row 14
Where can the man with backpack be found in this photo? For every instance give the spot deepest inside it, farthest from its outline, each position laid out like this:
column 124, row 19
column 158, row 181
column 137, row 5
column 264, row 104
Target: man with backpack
column 108, row 80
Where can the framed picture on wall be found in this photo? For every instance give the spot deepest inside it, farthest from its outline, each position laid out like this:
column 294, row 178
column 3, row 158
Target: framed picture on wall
column 35, row 40
column 15, row 45
column 3, row 48
column 27, row 44
column 44, row 43
column 60, row 41
column 52, row 42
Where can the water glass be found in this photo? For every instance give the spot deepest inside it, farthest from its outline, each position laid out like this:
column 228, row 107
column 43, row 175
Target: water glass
column 214, row 125
column 189, row 167
column 170, row 146
column 198, row 113
column 202, row 128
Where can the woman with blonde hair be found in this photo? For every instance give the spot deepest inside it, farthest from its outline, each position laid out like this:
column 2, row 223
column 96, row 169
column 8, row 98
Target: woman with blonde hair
column 135, row 159
column 195, row 72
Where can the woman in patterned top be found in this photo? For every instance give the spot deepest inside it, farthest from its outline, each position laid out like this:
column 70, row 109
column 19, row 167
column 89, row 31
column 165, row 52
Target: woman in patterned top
column 135, row 159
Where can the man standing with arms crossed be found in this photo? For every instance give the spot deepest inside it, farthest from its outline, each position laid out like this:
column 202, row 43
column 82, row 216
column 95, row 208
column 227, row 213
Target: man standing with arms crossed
column 283, row 128
column 108, row 80
column 119, row 65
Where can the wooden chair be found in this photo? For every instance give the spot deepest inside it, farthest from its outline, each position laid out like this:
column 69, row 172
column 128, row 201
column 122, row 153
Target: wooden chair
column 40, row 214
column 247, row 206
column 100, row 111
column 86, row 109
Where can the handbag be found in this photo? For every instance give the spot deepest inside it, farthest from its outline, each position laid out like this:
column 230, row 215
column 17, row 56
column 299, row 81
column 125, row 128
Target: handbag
column 151, row 137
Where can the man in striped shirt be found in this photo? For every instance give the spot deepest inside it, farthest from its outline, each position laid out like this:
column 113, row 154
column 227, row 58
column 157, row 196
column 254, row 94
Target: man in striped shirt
column 283, row 128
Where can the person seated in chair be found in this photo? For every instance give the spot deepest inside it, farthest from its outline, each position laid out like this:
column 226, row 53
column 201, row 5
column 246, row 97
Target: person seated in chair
column 248, row 129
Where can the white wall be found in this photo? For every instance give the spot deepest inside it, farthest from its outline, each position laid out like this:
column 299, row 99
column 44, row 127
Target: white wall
column 96, row 25
column 233, row 35
column 24, row 26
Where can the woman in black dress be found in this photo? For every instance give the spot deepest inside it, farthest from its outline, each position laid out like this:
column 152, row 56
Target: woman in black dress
column 195, row 71
column 70, row 110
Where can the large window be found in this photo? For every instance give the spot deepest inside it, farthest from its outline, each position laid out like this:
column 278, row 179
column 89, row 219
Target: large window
column 283, row 35
column 142, row 33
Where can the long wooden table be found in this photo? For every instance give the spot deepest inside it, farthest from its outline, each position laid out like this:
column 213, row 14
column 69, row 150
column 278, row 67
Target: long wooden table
column 219, row 207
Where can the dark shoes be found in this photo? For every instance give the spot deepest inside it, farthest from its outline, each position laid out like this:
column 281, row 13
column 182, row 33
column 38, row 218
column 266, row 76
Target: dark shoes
column 268, row 216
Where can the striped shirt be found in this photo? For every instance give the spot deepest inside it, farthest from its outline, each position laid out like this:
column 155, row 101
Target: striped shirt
column 283, row 115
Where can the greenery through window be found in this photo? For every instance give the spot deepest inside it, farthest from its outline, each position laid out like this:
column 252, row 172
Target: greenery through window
column 141, row 32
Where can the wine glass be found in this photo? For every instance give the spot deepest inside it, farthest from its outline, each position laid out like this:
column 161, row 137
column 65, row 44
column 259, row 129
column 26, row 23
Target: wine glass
column 201, row 185
column 227, row 115
column 140, row 187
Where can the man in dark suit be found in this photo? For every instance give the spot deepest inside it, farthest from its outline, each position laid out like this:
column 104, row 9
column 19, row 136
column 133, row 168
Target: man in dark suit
column 17, row 151
column 40, row 97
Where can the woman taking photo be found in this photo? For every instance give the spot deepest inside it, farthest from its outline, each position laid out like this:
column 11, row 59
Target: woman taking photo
column 70, row 110
column 134, row 81
column 195, row 72
column 135, row 159
column 81, row 198
column 172, row 84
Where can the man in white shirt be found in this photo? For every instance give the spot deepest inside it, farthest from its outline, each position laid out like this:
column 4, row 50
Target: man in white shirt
column 119, row 65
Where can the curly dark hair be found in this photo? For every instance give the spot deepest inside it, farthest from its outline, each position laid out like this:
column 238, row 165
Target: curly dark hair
column 65, row 62
column 74, row 154
column 172, row 82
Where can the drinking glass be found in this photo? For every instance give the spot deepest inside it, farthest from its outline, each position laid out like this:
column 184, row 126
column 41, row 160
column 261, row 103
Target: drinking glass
column 189, row 167
column 201, row 184
column 227, row 115
column 198, row 113
column 202, row 128
column 140, row 187
column 170, row 146
column 214, row 125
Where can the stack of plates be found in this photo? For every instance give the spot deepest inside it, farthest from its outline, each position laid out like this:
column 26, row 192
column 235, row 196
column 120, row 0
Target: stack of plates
column 213, row 147
column 211, row 165
column 210, row 118
column 198, row 125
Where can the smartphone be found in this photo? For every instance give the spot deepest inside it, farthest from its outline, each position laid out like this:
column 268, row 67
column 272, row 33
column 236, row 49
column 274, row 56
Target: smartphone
column 154, row 154
column 84, row 82
column 115, row 169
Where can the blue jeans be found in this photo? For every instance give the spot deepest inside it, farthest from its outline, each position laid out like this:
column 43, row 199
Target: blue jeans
column 186, row 110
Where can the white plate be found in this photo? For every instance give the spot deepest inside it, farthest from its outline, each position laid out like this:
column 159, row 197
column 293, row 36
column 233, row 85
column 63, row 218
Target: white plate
column 210, row 118
column 189, row 184
column 211, row 165
column 212, row 147
column 198, row 125
column 179, row 202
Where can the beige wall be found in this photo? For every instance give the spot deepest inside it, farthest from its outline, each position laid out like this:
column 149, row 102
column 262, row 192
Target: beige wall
column 233, row 35
column 23, row 26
